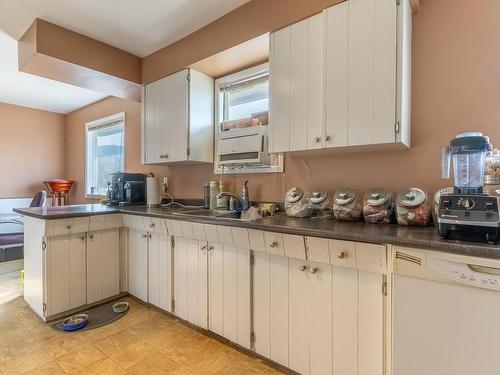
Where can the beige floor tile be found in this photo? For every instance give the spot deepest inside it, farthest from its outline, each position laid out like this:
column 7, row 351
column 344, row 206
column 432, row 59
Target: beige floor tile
column 124, row 348
column 80, row 359
column 236, row 368
column 182, row 370
column 209, row 360
column 51, row 368
column 186, row 348
column 27, row 362
column 68, row 343
column 156, row 363
column 105, row 366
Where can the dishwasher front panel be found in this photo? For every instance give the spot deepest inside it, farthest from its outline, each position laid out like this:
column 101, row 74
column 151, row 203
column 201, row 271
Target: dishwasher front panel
column 445, row 328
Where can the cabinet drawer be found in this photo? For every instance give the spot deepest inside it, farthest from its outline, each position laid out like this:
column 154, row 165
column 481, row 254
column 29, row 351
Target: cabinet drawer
column 175, row 228
column 225, row 235
column 198, row 232
column 134, row 222
column 371, row 257
column 187, row 229
column 274, row 243
column 155, row 225
column 67, row 226
column 240, row 238
column 103, row 222
column 294, row 246
column 211, row 233
column 256, row 238
column 343, row 253
column 317, row 250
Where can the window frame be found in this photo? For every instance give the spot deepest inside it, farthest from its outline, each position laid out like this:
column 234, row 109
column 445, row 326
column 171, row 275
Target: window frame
column 102, row 122
column 219, row 115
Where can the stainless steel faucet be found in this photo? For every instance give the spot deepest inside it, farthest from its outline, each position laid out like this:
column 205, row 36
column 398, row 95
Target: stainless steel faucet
column 244, row 200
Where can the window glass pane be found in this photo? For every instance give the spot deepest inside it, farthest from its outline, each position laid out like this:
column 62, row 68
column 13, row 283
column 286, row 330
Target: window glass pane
column 247, row 106
column 105, row 155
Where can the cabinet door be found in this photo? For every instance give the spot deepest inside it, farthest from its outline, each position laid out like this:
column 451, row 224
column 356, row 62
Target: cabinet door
column 320, row 304
column 182, row 124
column 279, row 89
column 103, row 275
column 336, row 73
column 197, row 292
column 270, row 306
column 152, row 127
column 181, row 277
column 372, row 71
column 77, row 276
column 57, row 274
column 160, row 271
column 138, row 264
column 229, row 285
column 298, row 316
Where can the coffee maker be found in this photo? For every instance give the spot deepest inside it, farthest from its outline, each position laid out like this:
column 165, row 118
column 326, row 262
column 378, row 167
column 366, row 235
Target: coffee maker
column 127, row 189
column 468, row 213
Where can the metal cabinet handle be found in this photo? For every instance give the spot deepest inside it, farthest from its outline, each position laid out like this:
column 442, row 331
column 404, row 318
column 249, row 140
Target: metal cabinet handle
column 341, row 255
column 327, row 138
column 303, row 268
column 210, row 247
column 68, row 227
column 316, row 139
column 91, row 236
column 273, row 244
column 82, row 238
column 148, row 235
column 152, row 225
column 313, row 270
column 203, row 248
column 144, row 235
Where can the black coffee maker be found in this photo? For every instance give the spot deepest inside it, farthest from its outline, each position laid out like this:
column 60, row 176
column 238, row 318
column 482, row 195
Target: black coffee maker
column 127, row 189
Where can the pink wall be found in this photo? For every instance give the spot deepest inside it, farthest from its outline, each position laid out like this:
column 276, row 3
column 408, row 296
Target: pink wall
column 31, row 149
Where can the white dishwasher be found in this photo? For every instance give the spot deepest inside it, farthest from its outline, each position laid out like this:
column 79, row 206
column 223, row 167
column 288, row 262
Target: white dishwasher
column 446, row 314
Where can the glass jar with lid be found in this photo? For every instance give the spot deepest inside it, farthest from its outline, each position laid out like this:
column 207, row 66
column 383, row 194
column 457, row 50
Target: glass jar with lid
column 378, row 206
column 295, row 204
column 437, row 197
column 412, row 207
column 347, row 205
column 320, row 205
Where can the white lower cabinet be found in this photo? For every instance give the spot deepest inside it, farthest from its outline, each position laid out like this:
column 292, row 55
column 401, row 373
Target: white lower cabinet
column 317, row 318
column 190, row 281
column 160, row 271
column 103, row 267
column 229, row 293
column 65, row 271
column 138, row 264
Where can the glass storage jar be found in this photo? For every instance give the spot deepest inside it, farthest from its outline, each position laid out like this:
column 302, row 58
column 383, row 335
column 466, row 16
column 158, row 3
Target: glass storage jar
column 347, row 205
column 320, row 205
column 378, row 206
column 437, row 197
column 295, row 204
column 412, row 207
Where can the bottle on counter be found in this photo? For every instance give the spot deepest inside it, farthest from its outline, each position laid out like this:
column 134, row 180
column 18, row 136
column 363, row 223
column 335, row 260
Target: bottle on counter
column 412, row 207
column 378, row 207
column 206, row 195
column 213, row 195
column 347, row 205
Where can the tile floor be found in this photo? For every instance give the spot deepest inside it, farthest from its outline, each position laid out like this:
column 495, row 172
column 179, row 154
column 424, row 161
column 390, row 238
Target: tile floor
column 142, row 342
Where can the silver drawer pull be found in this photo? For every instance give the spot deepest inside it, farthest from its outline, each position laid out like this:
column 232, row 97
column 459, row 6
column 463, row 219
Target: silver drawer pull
column 303, row 268
column 203, row 248
column 91, row 236
column 210, row 247
column 341, row 255
column 327, row 138
column 68, row 227
column 152, row 225
column 316, row 139
column 273, row 244
column 313, row 270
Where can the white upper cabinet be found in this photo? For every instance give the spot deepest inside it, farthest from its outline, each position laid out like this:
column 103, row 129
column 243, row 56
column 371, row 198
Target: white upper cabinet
column 177, row 119
column 342, row 78
column 296, row 79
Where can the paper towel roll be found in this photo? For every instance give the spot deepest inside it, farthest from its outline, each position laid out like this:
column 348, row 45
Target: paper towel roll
column 152, row 193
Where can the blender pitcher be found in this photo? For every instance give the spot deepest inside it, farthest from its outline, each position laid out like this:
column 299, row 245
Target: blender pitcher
column 469, row 152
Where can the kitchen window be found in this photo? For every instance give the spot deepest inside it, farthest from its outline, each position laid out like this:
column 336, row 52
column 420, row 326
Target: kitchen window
column 105, row 153
column 242, row 123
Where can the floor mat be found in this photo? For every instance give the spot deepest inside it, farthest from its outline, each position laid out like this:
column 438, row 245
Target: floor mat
column 98, row 317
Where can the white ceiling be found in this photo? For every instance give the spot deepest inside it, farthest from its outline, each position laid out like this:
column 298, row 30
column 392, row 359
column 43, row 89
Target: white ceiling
column 36, row 92
column 139, row 27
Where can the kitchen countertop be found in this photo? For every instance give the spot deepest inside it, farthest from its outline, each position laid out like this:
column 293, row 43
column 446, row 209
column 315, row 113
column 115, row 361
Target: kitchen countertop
column 419, row 237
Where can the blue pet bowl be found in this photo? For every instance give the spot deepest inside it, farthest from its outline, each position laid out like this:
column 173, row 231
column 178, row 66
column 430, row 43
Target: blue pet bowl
column 75, row 322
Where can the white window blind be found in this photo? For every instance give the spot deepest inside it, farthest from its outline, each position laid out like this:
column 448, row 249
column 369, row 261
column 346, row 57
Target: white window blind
column 105, row 152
